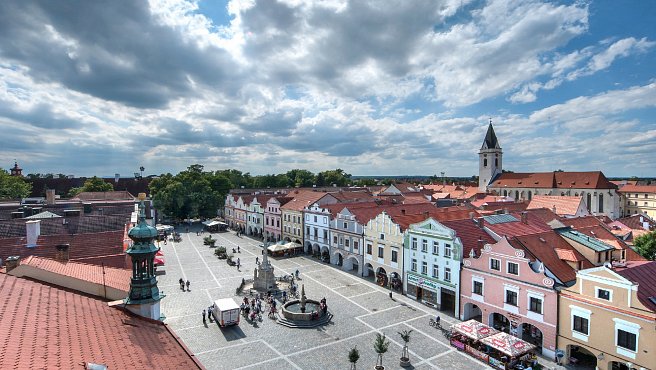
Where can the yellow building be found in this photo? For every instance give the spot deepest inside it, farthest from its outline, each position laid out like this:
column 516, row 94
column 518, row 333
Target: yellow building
column 639, row 199
column 607, row 319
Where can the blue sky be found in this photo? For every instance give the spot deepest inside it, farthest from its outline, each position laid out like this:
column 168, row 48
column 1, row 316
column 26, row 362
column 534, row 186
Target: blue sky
column 372, row 87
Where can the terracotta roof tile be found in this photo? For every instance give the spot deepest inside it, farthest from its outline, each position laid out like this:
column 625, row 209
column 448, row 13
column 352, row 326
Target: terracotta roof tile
column 643, row 273
column 72, row 327
column 637, row 222
column 549, row 180
column 82, row 246
column 302, row 198
column 632, row 188
column 470, row 234
column 561, row 205
column 515, row 227
column 114, row 277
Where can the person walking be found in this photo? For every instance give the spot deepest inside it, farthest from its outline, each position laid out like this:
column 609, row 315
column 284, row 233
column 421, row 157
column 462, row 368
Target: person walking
column 188, row 283
column 181, row 281
column 209, row 313
column 257, row 260
column 238, row 263
column 204, row 321
column 238, row 251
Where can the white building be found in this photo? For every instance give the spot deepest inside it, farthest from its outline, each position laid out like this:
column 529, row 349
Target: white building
column 317, row 230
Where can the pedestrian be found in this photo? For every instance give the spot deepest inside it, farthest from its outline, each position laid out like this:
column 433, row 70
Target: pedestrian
column 257, row 260
column 238, row 263
column 204, row 321
column 238, row 251
column 181, row 281
column 209, row 313
column 188, row 283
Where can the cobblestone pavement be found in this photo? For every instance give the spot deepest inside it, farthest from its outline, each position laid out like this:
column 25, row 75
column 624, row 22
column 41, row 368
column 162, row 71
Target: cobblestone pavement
column 360, row 308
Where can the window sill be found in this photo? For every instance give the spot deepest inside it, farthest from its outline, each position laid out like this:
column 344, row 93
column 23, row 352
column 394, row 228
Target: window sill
column 535, row 316
column 625, row 352
column 510, row 308
column 579, row 336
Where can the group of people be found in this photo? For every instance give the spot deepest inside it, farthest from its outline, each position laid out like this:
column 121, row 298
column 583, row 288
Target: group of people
column 182, row 284
column 208, row 313
column 251, row 309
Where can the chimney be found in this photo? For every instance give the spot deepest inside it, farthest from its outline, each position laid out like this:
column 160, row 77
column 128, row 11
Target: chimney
column 50, row 196
column 12, row 262
column 524, row 218
column 62, row 252
column 481, row 222
column 403, row 212
column 32, row 231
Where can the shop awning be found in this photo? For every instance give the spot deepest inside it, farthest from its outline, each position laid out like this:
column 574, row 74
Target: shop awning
column 508, row 344
column 474, row 329
column 283, row 247
column 159, row 261
column 211, row 223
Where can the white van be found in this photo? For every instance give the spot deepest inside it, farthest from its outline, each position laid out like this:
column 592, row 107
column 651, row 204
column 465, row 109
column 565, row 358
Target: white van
column 226, row 312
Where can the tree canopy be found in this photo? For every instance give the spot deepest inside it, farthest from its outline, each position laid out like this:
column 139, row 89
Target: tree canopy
column 193, row 192
column 13, row 187
column 646, row 245
column 92, row 184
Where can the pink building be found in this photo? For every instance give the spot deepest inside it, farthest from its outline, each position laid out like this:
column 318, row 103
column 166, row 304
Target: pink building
column 512, row 285
column 273, row 218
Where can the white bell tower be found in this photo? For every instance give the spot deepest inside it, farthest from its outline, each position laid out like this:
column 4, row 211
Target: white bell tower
column 489, row 159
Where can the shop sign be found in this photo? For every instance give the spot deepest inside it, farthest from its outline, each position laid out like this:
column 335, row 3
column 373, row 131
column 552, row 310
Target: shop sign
column 458, row 344
column 496, row 363
column 422, row 282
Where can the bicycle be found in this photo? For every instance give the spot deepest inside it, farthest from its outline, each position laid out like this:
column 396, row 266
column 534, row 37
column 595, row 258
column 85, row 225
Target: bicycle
column 435, row 324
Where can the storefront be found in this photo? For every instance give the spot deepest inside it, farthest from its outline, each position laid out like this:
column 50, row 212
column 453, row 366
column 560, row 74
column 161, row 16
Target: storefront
column 422, row 289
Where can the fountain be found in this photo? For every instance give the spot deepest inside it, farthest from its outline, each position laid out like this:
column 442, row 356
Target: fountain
column 305, row 310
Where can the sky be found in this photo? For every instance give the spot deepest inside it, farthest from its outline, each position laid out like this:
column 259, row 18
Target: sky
column 372, row 87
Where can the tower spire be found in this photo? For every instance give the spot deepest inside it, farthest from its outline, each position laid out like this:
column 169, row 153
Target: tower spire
column 490, row 141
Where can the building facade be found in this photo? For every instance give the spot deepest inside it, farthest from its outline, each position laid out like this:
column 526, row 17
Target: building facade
column 489, row 159
column 347, row 238
column 639, row 199
column 383, row 254
column 317, row 230
column 431, row 264
column 607, row 318
column 273, row 218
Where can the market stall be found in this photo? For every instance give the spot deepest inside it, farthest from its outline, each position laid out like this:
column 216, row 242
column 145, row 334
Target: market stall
column 513, row 353
column 468, row 335
column 287, row 249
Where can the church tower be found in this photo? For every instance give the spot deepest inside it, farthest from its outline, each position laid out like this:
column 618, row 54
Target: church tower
column 489, row 159
column 16, row 171
column 144, row 296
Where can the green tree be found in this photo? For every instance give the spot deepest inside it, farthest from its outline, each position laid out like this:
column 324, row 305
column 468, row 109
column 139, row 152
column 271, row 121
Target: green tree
column 405, row 336
column 381, row 345
column 337, row 177
column 300, row 178
column 13, row 187
column 92, row 184
column 645, row 245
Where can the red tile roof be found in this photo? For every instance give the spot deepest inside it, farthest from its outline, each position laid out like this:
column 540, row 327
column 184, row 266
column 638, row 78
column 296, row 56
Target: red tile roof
column 553, row 251
column 82, row 246
column 533, row 225
column 636, row 222
column 643, row 273
column 302, row 199
column 561, row 205
column 350, row 196
column 491, row 199
column 632, row 188
column 114, row 277
column 72, row 329
column 549, row 180
column 470, row 234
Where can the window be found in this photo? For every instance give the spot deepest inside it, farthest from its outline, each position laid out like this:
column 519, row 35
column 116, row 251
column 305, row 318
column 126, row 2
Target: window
column 601, row 203
column 495, row 264
column 603, row 294
column 345, row 225
column 382, row 236
column 580, row 325
column 355, row 244
column 478, row 287
column 346, row 242
column 436, row 248
column 512, row 268
column 424, row 245
column 335, row 239
column 381, row 252
column 447, row 274
column 484, row 162
column 368, row 248
column 414, row 243
column 395, row 256
column 315, row 219
column 307, row 230
column 424, row 267
column 436, row 271
column 626, row 340
column 535, row 305
column 511, row 297
column 447, row 250
column 414, row 265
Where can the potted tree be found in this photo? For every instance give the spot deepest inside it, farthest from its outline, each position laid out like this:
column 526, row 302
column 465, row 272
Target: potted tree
column 221, row 252
column 405, row 357
column 353, row 356
column 381, row 345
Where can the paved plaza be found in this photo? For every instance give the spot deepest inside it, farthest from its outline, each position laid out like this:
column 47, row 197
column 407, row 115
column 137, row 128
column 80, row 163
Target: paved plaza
column 360, row 310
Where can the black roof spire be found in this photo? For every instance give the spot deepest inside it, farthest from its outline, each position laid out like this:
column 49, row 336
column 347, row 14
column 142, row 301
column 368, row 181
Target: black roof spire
column 491, row 141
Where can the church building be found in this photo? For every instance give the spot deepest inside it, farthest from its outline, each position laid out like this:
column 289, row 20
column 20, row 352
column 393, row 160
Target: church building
column 599, row 194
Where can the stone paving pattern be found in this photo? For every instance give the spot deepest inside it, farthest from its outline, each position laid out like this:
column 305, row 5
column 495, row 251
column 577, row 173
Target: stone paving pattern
column 360, row 309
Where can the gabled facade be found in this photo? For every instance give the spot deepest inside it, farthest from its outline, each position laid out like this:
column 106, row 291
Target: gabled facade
column 240, row 211
column 608, row 317
column 347, row 241
column 383, row 255
column 273, row 218
column 255, row 215
column 431, row 262
column 292, row 213
column 316, row 237
column 503, row 288
column 229, row 210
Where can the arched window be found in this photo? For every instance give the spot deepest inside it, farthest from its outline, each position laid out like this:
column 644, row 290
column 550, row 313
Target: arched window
column 589, row 201
column 496, row 162
column 484, row 162
column 530, row 195
column 516, row 195
column 505, row 193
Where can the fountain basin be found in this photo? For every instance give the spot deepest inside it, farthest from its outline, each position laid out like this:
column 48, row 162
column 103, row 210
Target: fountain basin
column 292, row 310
